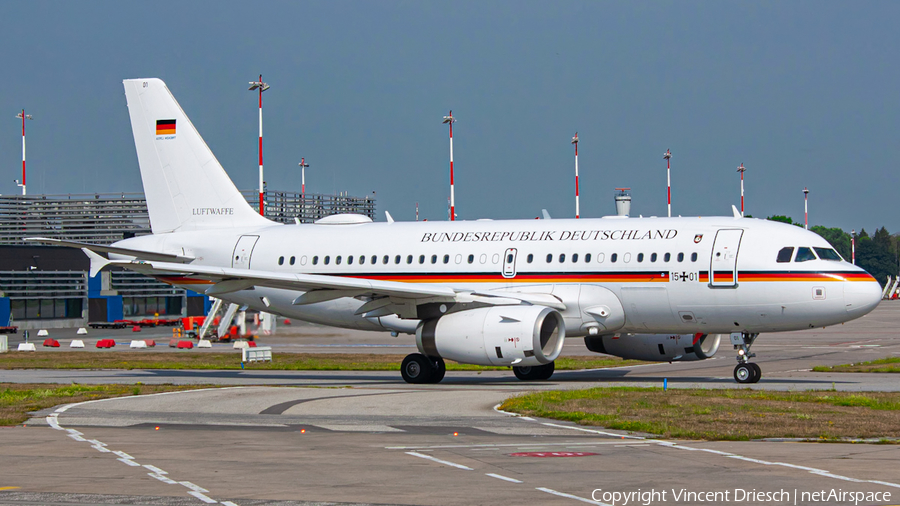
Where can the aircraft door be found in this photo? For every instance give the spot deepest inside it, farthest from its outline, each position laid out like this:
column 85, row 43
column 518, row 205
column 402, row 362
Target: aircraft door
column 723, row 263
column 509, row 263
column 243, row 250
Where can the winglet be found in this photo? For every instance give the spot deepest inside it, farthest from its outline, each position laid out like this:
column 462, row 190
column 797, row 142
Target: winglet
column 734, row 209
column 387, row 215
column 545, row 214
column 97, row 261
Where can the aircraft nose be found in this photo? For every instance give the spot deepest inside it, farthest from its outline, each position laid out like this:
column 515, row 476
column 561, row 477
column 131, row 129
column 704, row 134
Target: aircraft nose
column 861, row 297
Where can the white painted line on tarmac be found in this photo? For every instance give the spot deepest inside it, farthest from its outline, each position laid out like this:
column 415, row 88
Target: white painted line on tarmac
column 570, row 496
column 504, row 478
column 502, row 445
column 670, row 444
column 163, row 479
column 157, row 473
column 206, row 499
column 195, row 488
column 439, row 461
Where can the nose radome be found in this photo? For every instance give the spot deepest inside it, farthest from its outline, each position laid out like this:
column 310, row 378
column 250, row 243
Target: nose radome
column 861, row 297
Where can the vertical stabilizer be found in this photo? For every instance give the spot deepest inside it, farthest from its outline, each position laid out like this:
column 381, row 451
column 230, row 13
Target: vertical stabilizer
column 185, row 186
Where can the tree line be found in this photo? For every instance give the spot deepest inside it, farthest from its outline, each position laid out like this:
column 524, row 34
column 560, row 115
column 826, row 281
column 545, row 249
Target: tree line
column 878, row 254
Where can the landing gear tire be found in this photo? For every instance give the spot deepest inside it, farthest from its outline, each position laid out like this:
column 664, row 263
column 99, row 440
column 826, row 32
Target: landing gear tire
column 439, row 368
column 757, row 372
column 747, row 373
column 417, row 368
column 531, row 373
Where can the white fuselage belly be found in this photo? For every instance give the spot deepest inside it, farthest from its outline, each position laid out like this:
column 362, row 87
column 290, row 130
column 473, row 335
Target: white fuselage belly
column 658, row 296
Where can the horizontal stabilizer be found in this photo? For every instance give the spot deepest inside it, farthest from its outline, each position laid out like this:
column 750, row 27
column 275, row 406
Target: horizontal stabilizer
column 143, row 255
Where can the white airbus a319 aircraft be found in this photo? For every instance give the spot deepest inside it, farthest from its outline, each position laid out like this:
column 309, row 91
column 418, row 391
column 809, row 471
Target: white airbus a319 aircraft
column 494, row 293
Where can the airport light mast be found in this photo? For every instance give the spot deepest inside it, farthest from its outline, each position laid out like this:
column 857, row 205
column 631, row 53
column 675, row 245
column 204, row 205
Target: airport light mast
column 805, row 208
column 667, row 156
column 449, row 120
column 577, row 209
column 23, row 116
column 261, row 86
column 303, row 165
column 741, row 169
column 853, row 246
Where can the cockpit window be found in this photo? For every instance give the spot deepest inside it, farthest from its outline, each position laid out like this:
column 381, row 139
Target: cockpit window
column 804, row 254
column 828, row 254
column 785, row 254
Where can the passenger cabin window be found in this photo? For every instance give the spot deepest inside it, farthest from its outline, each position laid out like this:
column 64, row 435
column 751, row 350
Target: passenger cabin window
column 327, row 259
column 652, row 257
column 446, row 259
column 434, row 259
column 349, row 259
column 587, row 258
column 681, row 257
column 667, row 257
column 471, row 258
column 397, row 259
column 530, row 258
column 362, row 259
column 280, row 260
column 693, row 257
column 315, row 260
column 409, row 259
column 385, row 259
column 549, row 257
column 293, row 259
column 562, row 257
column 804, row 254
column 574, row 258
column 785, row 254
column 375, row 259
column 509, row 258
column 614, row 257
column 828, row 254
column 640, row 257
column 337, row 260
column 421, row 259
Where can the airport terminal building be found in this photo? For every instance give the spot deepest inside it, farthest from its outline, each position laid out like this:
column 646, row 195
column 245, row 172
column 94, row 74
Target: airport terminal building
column 49, row 287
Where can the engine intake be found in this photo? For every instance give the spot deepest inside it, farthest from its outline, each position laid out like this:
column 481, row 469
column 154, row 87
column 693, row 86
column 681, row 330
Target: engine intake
column 501, row 335
column 656, row 347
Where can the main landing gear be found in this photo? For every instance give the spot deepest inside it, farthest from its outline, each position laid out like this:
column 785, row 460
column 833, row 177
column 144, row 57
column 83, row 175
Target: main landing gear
column 417, row 368
column 537, row 372
column 745, row 371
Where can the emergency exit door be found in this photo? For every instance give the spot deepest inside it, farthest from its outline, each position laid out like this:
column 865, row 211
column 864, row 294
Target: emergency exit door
column 723, row 264
column 243, row 251
column 509, row 263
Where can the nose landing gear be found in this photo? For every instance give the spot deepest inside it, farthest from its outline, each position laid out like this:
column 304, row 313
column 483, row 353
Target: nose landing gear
column 745, row 371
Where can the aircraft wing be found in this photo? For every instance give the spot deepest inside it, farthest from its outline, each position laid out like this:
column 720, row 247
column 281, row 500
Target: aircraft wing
column 386, row 295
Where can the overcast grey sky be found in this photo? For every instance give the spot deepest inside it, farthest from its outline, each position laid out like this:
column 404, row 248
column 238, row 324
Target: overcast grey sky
column 803, row 93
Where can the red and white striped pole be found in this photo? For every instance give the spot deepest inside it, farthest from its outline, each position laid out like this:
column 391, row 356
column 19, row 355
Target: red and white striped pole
column 667, row 156
column 303, row 166
column 577, row 208
column 261, row 86
column 806, row 208
column 741, row 169
column 853, row 246
column 23, row 116
column 450, row 120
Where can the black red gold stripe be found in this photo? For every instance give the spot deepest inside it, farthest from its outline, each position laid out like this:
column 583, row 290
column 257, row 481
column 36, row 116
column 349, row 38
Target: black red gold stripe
column 579, row 277
column 165, row 126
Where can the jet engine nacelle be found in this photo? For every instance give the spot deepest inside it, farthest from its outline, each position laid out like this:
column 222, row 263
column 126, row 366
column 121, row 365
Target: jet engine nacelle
column 656, row 347
column 500, row 335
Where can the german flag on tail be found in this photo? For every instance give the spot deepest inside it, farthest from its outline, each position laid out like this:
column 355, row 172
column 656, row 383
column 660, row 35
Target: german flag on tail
column 165, row 127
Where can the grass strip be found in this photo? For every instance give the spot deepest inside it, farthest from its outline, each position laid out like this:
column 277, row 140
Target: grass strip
column 18, row 399
column 722, row 414
column 890, row 364
column 280, row 361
